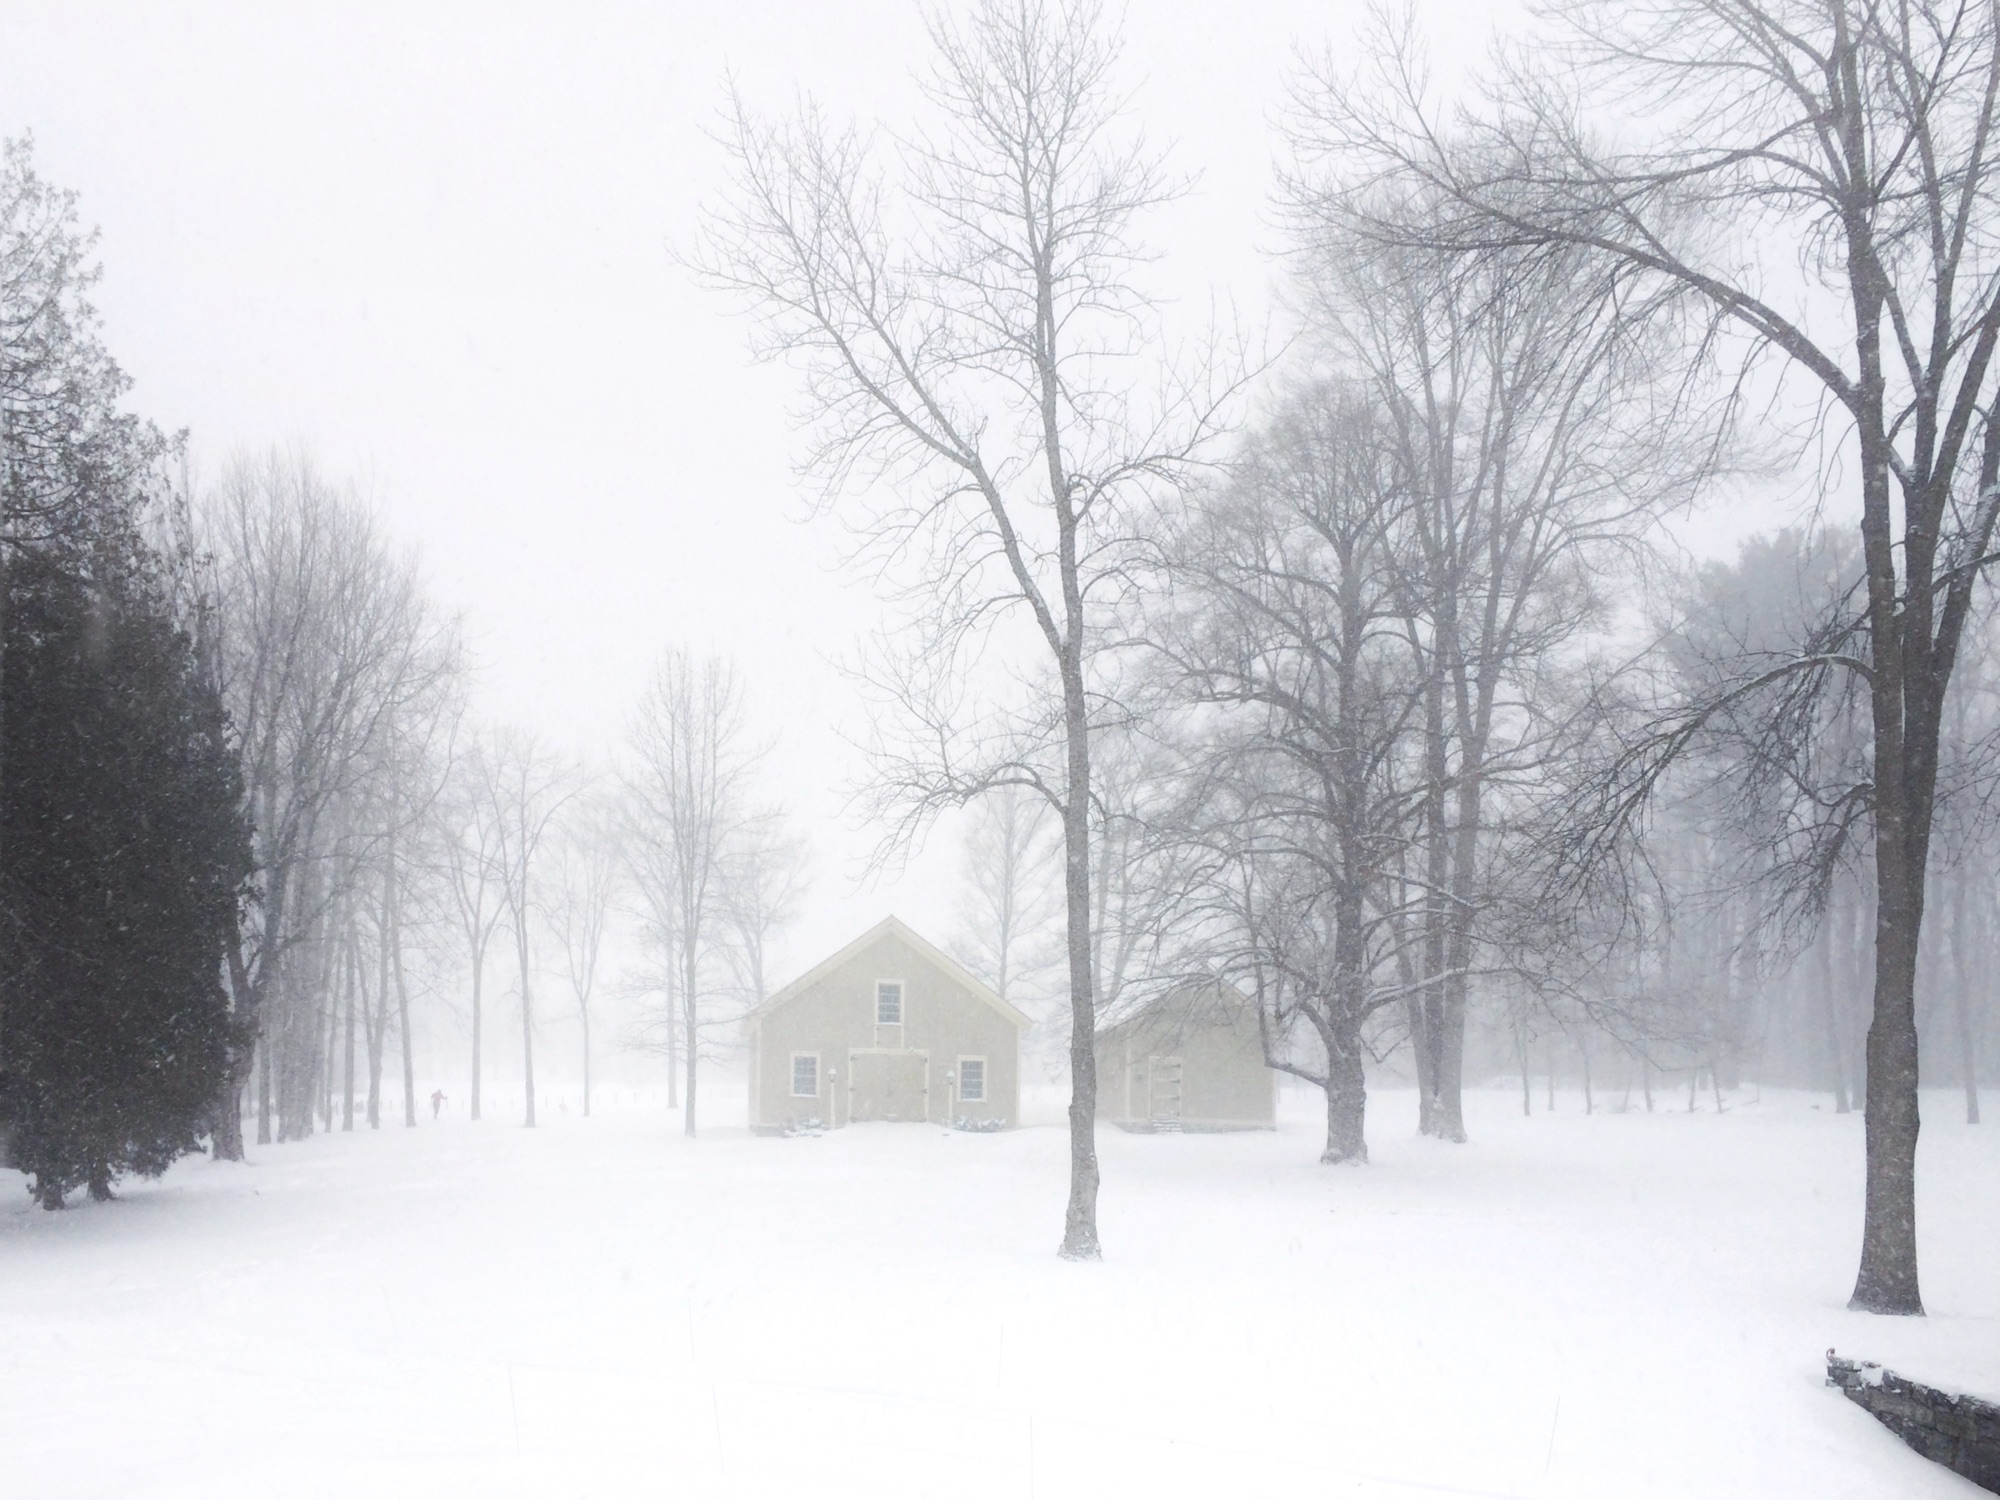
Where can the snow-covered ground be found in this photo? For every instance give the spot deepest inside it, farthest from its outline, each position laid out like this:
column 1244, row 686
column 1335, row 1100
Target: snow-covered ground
column 1618, row 1305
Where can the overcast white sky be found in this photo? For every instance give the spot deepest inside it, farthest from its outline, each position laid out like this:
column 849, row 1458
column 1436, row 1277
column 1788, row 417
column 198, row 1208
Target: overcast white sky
column 431, row 243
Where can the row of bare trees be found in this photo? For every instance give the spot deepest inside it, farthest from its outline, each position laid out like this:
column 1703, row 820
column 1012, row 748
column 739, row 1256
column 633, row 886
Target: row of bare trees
column 341, row 681
column 402, row 850
column 719, row 876
column 1818, row 180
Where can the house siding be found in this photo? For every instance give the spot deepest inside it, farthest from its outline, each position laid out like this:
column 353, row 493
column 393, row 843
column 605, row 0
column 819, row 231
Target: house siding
column 834, row 1016
column 1224, row 1083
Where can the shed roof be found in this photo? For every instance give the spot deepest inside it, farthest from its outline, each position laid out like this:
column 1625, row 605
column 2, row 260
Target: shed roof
column 893, row 926
column 1186, row 1005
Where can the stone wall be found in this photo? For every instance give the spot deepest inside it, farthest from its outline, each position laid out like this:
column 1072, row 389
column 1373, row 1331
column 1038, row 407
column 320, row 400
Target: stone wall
column 1960, row 1432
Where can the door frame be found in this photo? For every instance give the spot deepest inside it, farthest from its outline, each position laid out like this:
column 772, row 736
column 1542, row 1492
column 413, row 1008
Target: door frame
column 922, row 1052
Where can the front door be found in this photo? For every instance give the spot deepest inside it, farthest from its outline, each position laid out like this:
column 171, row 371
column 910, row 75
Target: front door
column 889, row 1085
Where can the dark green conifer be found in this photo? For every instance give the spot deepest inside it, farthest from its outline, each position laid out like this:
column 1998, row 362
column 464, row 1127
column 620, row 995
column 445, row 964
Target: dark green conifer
column 126, row 860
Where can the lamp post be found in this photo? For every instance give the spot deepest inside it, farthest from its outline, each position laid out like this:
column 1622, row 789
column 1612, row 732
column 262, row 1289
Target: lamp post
column 951, row 1114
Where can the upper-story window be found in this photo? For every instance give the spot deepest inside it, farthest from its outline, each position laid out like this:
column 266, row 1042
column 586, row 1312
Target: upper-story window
column 888, row 1002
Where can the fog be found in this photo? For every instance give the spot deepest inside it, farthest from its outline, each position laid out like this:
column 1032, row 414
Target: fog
column 1014, row 747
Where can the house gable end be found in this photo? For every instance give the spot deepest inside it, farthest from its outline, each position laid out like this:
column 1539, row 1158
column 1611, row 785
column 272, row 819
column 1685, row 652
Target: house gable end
column 890, row 928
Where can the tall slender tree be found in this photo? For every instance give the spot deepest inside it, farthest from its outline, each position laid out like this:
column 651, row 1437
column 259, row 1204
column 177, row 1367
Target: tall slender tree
column 470, row 846
column 528, row 786
column 690, row 783
column 975, row 332
column 590, row 866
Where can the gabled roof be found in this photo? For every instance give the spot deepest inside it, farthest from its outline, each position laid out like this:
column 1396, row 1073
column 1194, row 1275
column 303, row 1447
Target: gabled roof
column 895, row 927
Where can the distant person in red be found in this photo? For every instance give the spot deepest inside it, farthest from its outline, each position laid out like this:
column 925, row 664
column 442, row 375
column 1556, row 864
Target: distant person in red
column 437, row 1102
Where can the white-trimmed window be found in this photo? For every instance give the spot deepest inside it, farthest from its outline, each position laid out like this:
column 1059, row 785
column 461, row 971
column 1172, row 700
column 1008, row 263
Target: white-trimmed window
column 805, row 1075
column 972, row 1080
column 888, row 1002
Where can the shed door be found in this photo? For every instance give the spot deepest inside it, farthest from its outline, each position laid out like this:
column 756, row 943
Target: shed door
column 889, row 1085
column 1164, row 1104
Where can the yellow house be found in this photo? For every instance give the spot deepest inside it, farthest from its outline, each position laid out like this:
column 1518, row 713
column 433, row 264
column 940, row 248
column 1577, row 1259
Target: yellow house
column 888, row 1028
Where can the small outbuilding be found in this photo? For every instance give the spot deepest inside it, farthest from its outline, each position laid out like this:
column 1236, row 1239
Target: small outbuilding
column 1191, row 1060
column 889, row 1028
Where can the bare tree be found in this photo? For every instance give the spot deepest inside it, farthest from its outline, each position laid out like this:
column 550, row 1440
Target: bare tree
column 470, row 846
column 1543, row 424
column 976, row 335
column 689, row 783
column 1288, row 628
column 421, row 767
column 589, row 869
column 528, row 787
column 323, row 639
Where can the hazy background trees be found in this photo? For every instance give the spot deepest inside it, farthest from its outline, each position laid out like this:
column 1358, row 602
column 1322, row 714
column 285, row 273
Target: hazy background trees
column 528, row 786
column 1845, row 147
column 716, row 875
column 590, row 871
column 1009, row 907
column 336, row 671
column 1302, row 786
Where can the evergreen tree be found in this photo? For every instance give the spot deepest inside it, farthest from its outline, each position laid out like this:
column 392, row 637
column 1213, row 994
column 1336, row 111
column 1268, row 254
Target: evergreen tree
column 127, row 856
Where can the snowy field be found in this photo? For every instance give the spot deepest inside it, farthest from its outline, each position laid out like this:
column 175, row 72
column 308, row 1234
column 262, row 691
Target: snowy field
column 1619, row 1305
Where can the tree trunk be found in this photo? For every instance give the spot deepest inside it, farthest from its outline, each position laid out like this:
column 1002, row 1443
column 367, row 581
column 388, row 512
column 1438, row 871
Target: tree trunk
column 332, row 925
column 353, row 983
column 226, row 1132
column 527, row 1004
column 1826, row 1003
column 1448, row 1110
column 1905, row 758
column 270, row 974
column 225, row 1141
column 378, row 1030
column 1080, row 1240
column 585, row 1013
column 673, row 1044
column 1887, row 1279
column 1853, row 979
column 1961, row 964
column 1346, row 1104
column 1420, row 1055
column 1968, row 1057
column 478, row 974
column 263, row 1090
column 395, row 911
column 1437, row 923
column 1521, row 1048
column 690, row 974
column 330, row 1047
